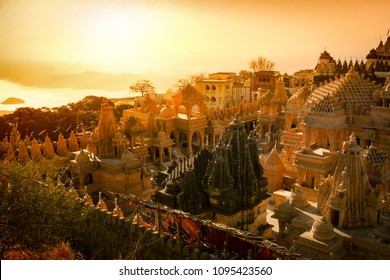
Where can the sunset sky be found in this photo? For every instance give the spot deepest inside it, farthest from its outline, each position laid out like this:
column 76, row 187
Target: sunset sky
column 191, row 36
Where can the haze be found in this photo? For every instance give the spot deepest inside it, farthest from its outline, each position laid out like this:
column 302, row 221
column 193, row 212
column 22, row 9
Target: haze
column 179, row 38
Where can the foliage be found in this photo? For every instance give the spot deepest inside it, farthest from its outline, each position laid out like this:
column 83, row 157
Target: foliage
column 38, row 123
column 261, row 64
column 190, row 80
column 35, row 216
column 62, row 251
column 118, row 110
column 89, row 103
column 142, row 86
column 245, row 74
column 197, row 77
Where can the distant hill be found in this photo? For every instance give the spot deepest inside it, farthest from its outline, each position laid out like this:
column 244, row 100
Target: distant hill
column 91, row 80
column 12, row 101
column 74, row 76
column 52, row 76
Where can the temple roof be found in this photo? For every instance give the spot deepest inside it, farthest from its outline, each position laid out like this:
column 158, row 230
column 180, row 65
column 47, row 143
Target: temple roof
column 273, row 160
column 326, row 105
column 326, row 55
column 375, row 156
column 187, row 94
column 351, row 88
column 300, row 96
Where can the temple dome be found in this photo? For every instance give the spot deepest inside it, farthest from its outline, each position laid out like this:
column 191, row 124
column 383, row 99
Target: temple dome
column 127, row 155
column 287, row 209
column 322, row 229
column 82, row 157
column 297, row 198
column 167, row 112
column 161, row 134
column 214, row 123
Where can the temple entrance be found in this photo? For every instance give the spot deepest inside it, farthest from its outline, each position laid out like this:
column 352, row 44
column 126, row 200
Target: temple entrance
column 323, row 140
column 172, row 136
column 183, row 142
column 335, row 216
column 196, row 141
column 294, row 123
column 88, row 179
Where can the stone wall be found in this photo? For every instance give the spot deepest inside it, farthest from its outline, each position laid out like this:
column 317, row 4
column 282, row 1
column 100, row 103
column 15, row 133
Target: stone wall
column 108, row 236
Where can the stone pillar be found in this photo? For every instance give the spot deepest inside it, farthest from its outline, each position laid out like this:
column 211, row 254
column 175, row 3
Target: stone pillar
column 189, row 148
column 307, row 138
column 177, row 138
column 332, row 141
column 81, row 178
column 161, row 150
column 153, row 153
column 201, row 138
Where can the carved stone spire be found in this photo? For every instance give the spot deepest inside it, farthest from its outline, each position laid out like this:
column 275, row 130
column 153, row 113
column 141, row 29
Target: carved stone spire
column 23, row 155
column 48, row 150
column 219, row 180
column 62, row 149
column 349, row 199
column 36, row 154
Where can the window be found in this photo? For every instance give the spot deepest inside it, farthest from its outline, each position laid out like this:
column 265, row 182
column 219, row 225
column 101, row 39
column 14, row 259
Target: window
column 207, row 87
column 213, row 88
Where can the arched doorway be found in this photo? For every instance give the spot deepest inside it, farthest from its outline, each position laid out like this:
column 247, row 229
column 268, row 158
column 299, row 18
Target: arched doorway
column 183, row 140
column 88, row 179
column 196, row 141
column 323, row 140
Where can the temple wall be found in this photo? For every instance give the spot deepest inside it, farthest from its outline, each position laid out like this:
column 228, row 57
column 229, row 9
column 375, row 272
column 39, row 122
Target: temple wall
column 110, row 237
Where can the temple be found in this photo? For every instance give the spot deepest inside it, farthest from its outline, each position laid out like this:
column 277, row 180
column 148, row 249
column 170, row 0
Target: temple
column 224, row 185
column 307, row 167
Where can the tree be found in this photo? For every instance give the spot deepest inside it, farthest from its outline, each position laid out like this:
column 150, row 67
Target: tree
column 142, row 86
column 261, row 64
column 36, row 215
column 118, row 110
column 245, row 74
column 190, row 80
column 197, row 77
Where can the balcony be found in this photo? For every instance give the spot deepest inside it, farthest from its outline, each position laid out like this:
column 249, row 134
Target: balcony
column 317, row 159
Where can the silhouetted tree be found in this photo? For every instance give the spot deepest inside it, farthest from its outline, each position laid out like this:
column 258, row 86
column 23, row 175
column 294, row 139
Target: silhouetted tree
column 261, row 64
column 118, row 110
column 245, row 74
column 142, row 86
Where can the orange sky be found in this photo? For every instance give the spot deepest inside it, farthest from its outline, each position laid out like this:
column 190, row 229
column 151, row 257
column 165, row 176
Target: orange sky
column 186, row 37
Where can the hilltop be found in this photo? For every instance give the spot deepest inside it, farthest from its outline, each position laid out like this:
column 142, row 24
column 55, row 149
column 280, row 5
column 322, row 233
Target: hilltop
column 12, row 101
